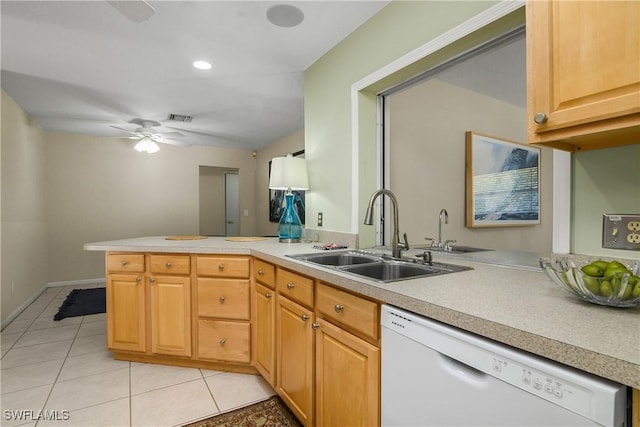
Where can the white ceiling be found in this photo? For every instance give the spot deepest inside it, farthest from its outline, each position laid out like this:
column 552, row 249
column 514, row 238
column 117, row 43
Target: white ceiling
column 83, row 66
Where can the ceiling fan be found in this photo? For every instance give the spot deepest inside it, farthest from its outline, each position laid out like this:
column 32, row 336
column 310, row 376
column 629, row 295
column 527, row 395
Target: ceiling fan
column 148, row 136
column 135, row 10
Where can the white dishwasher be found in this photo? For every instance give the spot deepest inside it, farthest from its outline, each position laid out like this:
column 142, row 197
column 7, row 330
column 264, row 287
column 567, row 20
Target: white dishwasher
column 437, row 375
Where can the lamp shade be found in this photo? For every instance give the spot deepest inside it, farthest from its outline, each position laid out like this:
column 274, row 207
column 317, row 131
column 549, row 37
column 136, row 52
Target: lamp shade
column 289, row 173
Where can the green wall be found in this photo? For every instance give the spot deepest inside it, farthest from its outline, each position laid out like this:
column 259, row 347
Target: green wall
column 603, row 181
column 396, row 30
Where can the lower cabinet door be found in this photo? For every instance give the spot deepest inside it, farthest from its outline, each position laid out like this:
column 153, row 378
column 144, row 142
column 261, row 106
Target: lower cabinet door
column 126, row 312
column 171, row 315
column 294, row 370
column 347, row 378
column 223, row 340
column 264, row 320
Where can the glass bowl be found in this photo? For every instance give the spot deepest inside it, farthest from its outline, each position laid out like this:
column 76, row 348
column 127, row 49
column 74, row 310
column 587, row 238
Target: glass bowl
column 616, row 290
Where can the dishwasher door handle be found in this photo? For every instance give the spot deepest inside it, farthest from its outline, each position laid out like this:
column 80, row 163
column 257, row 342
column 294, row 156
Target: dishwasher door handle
column 462, row 371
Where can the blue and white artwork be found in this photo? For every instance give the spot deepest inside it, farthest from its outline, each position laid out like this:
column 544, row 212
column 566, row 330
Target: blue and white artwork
column 504, row 178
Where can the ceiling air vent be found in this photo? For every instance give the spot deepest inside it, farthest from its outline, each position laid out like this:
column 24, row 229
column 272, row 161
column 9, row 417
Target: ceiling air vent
column 180, row 118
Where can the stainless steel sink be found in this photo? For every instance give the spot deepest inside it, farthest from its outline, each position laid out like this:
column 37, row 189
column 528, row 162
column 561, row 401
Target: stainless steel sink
column 338, row 258
column 456, row 249
column 389, row 271
column 378, row 267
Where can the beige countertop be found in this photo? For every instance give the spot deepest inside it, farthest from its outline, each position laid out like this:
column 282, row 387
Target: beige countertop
column 520, row 307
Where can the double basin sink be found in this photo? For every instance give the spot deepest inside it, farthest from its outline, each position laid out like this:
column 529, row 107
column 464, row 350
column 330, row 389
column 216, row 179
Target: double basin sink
column 378, row 267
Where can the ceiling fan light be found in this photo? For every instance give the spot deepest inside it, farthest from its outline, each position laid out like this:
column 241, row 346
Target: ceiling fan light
column 202, row 65
column 146, row 145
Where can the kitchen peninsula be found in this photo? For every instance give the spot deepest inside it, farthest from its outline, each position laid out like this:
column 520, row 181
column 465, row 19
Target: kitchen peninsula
column 519, row 307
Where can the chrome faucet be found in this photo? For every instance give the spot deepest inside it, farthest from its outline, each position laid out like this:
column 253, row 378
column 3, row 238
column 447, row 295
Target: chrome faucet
column 444, row 218
column 396, row 246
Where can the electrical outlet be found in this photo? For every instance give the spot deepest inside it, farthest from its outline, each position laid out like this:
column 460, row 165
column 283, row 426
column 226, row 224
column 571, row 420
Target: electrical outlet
column 621, row 231
column 633, row 238
column 319, row 219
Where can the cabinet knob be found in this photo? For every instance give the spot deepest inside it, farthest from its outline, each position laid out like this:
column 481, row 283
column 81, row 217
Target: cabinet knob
column 152, row 280
column 267, row 295
column 540, row 118
column 221, row 300
column 222, row 341
column 124, row 263
column 138, row 279
column 290, row 286
column 315, row 326
column 221, row 267
column 305, row 317
column 338, row 308
column 261, row 272
column 168, row 264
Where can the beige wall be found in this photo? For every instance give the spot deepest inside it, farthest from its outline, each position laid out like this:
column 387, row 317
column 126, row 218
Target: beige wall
column 427, row 162
column 102, row 189
column 24, row 226
column 289, row 144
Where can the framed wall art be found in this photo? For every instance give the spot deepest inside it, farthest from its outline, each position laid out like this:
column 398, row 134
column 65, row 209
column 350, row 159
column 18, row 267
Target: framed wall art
column 502, row 182
column 277, row 201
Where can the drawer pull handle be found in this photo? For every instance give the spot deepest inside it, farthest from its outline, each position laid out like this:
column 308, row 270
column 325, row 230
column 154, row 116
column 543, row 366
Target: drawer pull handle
column 221, row 267
column 138, row 279
column 290, row 285
column 338, row 308
column 124, row 263
column 267, row 295
column 168, row 264
column 260, row 272
column 222, row 341
column 315, row 326
column 305, row 317
column 221, row 300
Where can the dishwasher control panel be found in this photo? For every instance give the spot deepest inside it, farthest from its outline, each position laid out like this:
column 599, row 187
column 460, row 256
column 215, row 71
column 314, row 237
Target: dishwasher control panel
column 561, row 391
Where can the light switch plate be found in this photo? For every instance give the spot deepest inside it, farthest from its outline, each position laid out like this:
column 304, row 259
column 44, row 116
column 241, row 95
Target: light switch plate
column 621, row 231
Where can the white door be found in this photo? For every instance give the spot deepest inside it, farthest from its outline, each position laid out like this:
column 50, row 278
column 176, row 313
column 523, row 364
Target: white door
column 232, row 204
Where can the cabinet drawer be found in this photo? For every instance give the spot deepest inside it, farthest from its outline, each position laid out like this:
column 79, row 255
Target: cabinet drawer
column 359, row 315
column 221, row 340
column 295, row 287
column 264, row 273
column 227, row 298
column 170, row 264
column 217, row 266
column 125, row 263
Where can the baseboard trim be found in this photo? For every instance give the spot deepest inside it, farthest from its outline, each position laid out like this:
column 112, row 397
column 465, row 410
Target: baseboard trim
column 5, row 322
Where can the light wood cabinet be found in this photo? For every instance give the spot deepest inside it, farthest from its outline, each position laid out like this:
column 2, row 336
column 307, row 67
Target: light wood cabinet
column 328, row 355
column 583, row 73
column 149, row 303
column 223, row 308
column 347, row 384
column 170, row 304
column 264, row 320
column 294, row 347
column 126, row 312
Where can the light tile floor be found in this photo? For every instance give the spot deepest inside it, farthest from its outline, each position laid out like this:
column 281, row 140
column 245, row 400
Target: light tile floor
column 63, row 370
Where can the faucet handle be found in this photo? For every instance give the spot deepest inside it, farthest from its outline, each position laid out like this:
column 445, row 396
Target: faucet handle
column 447, row 245
column 431, row 240
column 405, row 245
column 426, row 256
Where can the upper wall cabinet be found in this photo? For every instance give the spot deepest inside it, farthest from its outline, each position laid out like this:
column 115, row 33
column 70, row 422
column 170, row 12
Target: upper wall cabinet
column 583, row 73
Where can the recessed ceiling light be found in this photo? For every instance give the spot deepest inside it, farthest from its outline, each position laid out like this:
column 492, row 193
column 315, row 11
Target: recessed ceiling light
column 202, row 65
column 284, row 15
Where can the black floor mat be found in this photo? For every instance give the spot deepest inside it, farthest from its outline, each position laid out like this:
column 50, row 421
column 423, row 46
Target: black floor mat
column 81, row 302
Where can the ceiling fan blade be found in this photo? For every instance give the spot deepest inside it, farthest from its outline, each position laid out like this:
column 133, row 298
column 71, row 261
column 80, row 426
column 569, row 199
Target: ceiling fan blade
column 172, row 134
column 135, row 10
column 176, row 143
column 144, row 123
column 124, row 130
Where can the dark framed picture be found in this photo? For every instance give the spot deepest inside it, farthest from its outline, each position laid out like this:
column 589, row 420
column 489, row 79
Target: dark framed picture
column 502, row 182
column 277, row 202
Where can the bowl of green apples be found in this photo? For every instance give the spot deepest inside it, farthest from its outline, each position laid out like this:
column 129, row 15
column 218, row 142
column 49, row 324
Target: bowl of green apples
column 613, row 283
